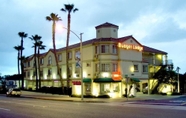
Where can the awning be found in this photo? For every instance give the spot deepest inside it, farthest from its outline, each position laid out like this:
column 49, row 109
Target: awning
column 135, row 79
column 105, row 80
column 87, row 80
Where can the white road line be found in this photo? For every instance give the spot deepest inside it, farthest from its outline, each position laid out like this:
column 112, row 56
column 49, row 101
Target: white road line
column 4, row 109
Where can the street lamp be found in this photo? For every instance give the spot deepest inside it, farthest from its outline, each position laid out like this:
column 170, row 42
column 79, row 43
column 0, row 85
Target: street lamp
column 81, row 58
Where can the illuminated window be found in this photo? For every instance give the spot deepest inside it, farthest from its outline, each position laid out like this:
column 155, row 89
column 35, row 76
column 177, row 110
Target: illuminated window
column 115, row 87
column 114, row 49
column 105, row 67
column 88, row 88
column 145, row 68
column 104, row 48
column 114, row 67
column 104, row 88
column 49, row 60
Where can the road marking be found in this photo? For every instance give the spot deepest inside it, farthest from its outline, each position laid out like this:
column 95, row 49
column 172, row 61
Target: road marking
column 142, row 106
column 4, row 109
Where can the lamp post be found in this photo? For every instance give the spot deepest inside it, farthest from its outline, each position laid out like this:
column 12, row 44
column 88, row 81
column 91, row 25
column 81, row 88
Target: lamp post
column 178, row 79
column 81, row 58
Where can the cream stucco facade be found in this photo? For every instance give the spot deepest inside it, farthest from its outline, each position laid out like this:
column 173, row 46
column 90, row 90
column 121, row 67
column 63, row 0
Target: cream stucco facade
column 103, row 58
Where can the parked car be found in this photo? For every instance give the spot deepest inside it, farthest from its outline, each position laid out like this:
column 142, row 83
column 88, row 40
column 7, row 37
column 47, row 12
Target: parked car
column 13, row 92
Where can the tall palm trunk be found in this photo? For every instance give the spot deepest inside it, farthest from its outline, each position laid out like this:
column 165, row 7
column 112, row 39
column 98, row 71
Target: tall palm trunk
column 55, row 55
column 38, row 62
column 35, row 65
column 22, row 65
column 18, row 68
column 67, row 45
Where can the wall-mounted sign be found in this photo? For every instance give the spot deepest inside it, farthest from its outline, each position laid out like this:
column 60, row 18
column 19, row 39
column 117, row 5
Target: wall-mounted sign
column 116, row 76
column 130, row 47
column 76, row 82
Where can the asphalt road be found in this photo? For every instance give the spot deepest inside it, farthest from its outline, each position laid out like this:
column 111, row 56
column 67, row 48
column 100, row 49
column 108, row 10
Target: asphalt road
column 15, row 107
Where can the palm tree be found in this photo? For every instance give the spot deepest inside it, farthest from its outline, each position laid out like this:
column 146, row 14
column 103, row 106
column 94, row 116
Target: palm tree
column 54, row 18
column 22, row 59
column 40, row 47
column 36, row 40
column 22, row 35
column 68, row 8
column 18, row 48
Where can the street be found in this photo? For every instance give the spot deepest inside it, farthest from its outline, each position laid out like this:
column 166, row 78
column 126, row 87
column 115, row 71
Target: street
column 15, row 107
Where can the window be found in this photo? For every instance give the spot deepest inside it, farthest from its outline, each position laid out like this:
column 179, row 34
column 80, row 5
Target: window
column 77, row 70
column 28, row 74
column 29, row 64
column 42, row 61
column 116, row 87
column 135, row 67
column 25, row 74
column 49, row 60
column 114, row 67
column 24, row 65
column 34, row 63
column 114, row 49
column 145, row 68
column 88, row 64
column 59, row 56
column 60, row 70
column 41, row 73
column 105, row 67
column 49, row 71
column 69, row 55
column 104, row 48
column 96, row 49
column 88, row 88
column 104, row 88
column 34, row 73
column 77, row 55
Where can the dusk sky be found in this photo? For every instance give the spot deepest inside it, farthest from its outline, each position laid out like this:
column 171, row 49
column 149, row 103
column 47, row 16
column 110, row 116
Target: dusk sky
column 160, row 24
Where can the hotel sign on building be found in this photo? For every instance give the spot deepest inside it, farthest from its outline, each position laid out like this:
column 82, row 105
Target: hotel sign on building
column 130, row 47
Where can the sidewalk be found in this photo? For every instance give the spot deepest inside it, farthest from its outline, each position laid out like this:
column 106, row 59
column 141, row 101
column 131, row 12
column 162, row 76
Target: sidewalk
column 49, row 96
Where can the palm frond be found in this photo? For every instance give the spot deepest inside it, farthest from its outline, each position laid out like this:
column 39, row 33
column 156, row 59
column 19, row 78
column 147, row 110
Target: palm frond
column 76, row 9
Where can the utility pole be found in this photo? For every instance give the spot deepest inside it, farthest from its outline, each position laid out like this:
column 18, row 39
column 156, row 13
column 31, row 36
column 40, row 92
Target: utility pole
column 178, row 80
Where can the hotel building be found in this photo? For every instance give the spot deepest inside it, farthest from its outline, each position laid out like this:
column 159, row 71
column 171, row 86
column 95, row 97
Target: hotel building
column 110, row 65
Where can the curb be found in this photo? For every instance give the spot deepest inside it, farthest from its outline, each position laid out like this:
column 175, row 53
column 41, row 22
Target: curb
column 85, row 101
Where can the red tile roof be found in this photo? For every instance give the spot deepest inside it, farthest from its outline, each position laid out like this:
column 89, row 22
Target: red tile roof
column 152, row 50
